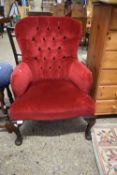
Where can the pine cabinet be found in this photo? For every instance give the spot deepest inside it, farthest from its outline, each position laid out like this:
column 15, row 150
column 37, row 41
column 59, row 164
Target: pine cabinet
column 102, row 57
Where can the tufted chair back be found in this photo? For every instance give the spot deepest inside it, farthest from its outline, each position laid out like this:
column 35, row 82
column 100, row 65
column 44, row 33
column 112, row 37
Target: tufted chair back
column 48, row 44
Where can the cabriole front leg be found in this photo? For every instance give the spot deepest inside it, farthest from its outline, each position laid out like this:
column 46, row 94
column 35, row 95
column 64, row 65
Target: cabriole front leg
column 13, row 127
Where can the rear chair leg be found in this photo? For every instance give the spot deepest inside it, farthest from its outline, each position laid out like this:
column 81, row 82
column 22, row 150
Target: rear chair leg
column 3, row 107
column 91, row 122
column 9, row 94
column 12, row 127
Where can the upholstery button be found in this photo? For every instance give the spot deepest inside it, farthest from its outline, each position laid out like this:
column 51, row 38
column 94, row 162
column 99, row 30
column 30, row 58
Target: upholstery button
column 41, row 67
column 59, row 67
column 44, row 58
column 33, row 39
column 53, row 58
column 35, row 58
column 58, row 27
column 64, row 57
column 59, row 48
column 50, row 67
column 49, row 48
column 48, row 28
column 44, row 39
column 64, row 37
column 53, row 38
column 39, row 49
column 37, row 28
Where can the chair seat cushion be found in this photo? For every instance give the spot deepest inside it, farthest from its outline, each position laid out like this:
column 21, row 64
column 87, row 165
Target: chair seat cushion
column 52, row 100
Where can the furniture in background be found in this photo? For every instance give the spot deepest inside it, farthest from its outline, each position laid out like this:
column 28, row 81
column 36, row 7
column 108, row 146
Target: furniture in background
column 50, row 83
column 35, row 13
column 102, row 58
column 14, row 11
column 1, row 10
column 57, row 10
column 3, row 21
column 106, row 1
column 89, row 8
column 47, row 4
column 79, row 12
column 18, row 10
column 23, row 11
column 1, row 16
column 1, row 24
column 68, row 7
column 5, row 73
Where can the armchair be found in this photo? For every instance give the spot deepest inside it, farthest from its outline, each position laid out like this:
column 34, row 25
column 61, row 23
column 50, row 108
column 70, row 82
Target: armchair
column 50, row 83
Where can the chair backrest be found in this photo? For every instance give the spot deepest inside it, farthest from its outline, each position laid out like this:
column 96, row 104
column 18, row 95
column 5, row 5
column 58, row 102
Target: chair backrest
column 48, row 44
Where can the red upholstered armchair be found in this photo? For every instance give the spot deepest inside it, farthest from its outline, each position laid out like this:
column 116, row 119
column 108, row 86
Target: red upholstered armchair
column 50, row 83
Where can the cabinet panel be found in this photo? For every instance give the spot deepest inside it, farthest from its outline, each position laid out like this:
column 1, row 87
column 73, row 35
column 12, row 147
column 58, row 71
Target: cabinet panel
column 108, row 77
column 106, row 93
column 106, row 106
column 102, row 57
column 111, row 41
column 109, row 59
column 113, row 24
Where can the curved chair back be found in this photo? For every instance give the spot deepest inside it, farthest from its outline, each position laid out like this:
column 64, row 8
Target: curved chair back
column 49, row 44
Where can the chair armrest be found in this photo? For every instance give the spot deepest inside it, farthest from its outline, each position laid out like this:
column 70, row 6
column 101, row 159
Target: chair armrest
column 20, row 79
column 81, row 76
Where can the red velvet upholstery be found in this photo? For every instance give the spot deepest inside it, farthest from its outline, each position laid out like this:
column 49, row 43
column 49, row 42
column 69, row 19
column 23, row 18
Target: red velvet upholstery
column 50, row 83
column 52, row 99
column 21, row 79
column 81, row 76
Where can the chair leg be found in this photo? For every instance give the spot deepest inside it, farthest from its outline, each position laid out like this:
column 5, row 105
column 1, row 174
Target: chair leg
column 91, row 122
column 12, row 127
column 3, row 108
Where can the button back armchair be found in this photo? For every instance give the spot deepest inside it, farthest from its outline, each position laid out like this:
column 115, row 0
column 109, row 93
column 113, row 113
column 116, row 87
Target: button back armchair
column 50, row 83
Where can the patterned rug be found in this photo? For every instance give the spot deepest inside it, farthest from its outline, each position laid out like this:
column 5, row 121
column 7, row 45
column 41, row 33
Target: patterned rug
column 104, row 138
